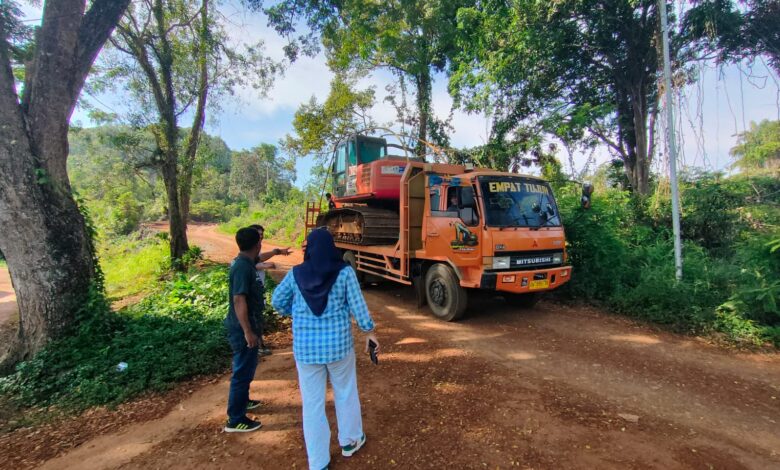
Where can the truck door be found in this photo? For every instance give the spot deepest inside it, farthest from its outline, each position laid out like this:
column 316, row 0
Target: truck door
column 452, row 231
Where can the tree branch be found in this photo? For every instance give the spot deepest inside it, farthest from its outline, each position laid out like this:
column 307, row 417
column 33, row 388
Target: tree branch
column 138, row 51
column 200, row 111
column 9, row 99
column 96, row 28
column 186, row 22
column 119, row 47
column 604, row 138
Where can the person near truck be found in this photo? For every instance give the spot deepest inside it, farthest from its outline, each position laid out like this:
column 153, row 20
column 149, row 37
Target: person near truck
column 322, row 295
column 331, row 202
column 245, row 304
column 261, row 265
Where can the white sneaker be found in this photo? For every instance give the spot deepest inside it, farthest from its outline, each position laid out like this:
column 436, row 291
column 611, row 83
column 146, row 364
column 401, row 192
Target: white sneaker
column 347, row 451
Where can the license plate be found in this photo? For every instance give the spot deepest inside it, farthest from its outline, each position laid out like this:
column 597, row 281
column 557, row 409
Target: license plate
column 540, row 284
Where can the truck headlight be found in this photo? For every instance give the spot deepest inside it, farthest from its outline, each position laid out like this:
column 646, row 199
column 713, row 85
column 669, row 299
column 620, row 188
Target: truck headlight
column 558, row 258
column 501, row 262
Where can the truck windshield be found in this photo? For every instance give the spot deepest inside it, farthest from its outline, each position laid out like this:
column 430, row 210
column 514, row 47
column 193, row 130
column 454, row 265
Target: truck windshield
column 518, row 202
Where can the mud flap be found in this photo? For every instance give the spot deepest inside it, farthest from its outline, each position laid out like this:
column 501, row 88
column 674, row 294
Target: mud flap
column 419, row 289
column 418, row 283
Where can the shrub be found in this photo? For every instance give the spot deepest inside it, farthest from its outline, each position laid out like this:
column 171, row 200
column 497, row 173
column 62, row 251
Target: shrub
column 596, row 248
column 623, row 256
column 213, row 211
column 171, row 335
column 126, row 214
column 132, row 265
column 283, row 220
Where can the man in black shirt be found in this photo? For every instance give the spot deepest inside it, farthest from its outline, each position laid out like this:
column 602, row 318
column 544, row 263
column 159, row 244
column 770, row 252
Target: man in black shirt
column 246, row 304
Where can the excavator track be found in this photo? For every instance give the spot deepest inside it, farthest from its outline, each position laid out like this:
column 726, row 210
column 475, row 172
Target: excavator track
column 361, row 225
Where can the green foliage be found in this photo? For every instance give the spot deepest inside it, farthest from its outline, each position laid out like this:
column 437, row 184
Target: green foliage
column 111, row 167
column 133, row 265
column 319, row 127
column 171, row 335
column 577, row 71
column 283, row 220
column 215, row 211
column 411, row 39
column 759, row 147
column 735, row 30
column 260, row 172
column 623, row 258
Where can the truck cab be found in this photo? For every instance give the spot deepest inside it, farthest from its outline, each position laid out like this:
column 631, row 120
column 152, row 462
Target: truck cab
column 495, row 231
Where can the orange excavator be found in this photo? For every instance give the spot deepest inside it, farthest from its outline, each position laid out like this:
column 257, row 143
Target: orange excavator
column 444, row 229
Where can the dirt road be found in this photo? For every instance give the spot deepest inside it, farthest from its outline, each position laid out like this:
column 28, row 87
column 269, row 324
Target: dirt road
column 553, row 387
column 7, row 297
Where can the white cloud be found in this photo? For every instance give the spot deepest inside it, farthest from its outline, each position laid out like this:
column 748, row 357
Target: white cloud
column 306, row 77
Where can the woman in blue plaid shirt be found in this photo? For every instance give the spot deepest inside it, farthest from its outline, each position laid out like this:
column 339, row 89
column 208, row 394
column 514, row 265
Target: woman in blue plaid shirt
column 321, row 295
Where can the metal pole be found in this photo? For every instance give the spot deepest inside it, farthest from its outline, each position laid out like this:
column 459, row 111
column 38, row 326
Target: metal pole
column 670, row 137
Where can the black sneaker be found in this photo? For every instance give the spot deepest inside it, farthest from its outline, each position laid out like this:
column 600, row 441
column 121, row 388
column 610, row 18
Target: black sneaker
column 264, row 351
column 252, row 404
column 245, row 425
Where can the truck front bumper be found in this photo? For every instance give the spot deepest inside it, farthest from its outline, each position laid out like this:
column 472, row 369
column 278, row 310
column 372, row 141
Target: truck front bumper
column 520, row 282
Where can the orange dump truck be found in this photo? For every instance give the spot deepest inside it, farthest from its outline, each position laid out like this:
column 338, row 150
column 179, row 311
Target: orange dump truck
column 444, row 229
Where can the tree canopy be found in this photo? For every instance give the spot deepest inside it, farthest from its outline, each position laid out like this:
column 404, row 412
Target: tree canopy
column 175, row 57
column 320, row 126
column 759, row 147
column 581, row 71
column 733, row 30
column 411, row 38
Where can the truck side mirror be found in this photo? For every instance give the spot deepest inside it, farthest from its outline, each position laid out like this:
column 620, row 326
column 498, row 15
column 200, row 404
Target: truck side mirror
column 467, row 197
column 587, row 191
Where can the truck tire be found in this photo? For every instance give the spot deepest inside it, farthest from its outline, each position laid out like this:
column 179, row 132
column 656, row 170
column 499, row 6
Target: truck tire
column 350, row 259
column 524, row 301
column 446, row 298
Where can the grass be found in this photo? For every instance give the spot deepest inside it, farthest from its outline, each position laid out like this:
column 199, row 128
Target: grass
column 133, row 266
column 157, row 337
column 173, row 334
column 282, row 220
column 3, row 264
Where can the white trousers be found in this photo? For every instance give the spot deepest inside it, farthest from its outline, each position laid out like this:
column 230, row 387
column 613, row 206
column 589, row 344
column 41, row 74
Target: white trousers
column 316, row 430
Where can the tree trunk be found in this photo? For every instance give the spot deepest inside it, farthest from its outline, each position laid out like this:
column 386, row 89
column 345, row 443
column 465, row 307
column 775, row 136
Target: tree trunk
column 176, row 226
column 198, row 120
column 423, row 82
column 642, row 169
column 46, row 247
column 629, row 166
column 44, row 238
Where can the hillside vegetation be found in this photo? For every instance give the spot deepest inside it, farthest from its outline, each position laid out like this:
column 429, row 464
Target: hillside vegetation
column 622, row 250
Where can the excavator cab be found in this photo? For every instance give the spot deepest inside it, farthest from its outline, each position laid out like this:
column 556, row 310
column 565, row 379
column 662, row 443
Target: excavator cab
column 358, row 150
column 364, row 172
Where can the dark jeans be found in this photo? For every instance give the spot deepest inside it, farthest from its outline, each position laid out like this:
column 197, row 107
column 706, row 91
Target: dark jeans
column 244, row 365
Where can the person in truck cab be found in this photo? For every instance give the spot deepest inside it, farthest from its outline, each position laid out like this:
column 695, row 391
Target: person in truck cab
column 452, row 206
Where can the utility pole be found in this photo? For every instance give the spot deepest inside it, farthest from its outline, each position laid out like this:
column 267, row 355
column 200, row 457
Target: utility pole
column 670, row 138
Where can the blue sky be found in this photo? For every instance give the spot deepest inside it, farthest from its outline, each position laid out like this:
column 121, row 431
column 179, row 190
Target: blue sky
column 712, row 112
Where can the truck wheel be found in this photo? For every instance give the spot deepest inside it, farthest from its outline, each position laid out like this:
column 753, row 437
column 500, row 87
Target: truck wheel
column 350, row 259
column 446, row 298
column 523, row 300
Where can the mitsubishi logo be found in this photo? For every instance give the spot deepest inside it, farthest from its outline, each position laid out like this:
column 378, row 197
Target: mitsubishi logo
column 535, row 245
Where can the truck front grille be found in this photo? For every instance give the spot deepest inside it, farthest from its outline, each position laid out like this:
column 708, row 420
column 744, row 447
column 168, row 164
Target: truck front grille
column 527, row 260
